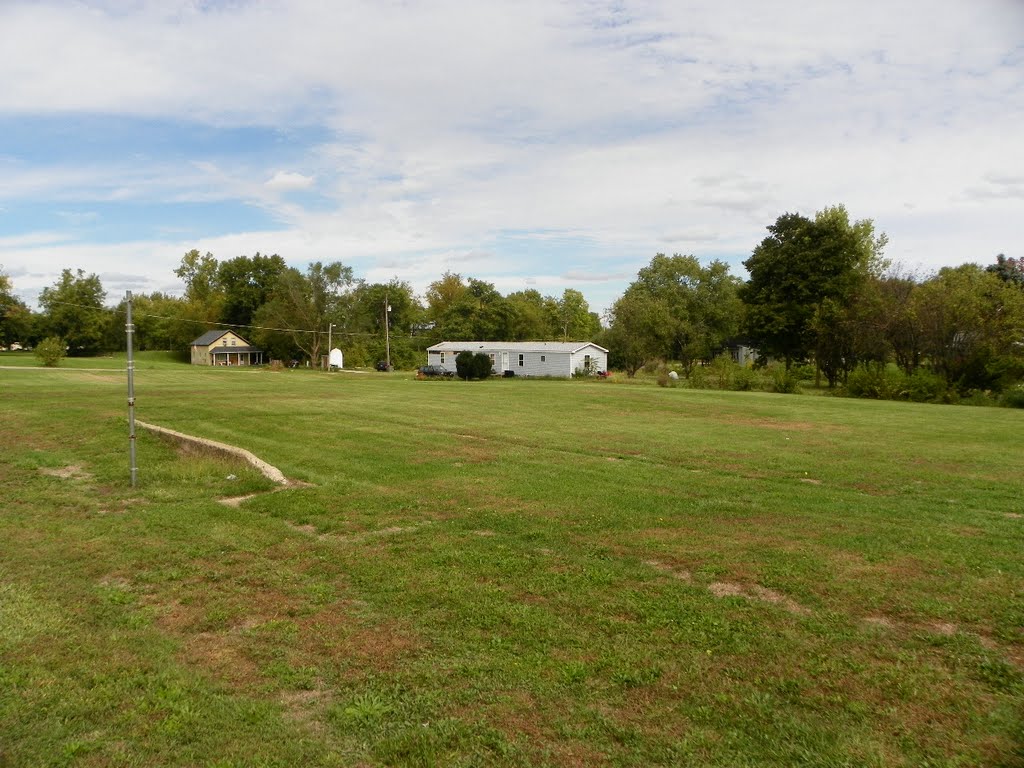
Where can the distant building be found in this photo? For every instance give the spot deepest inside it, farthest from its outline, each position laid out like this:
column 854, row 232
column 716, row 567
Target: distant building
column 224, row 348
column 526, row 358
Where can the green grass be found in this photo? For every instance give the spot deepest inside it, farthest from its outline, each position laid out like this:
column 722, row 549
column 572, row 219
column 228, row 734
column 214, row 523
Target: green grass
column 505, row 573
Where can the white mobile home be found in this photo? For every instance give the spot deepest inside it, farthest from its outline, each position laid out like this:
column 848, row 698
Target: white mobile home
column 526, row 358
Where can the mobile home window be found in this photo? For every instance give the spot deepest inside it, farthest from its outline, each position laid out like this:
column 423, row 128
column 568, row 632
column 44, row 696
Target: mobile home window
column 442, row 358
column 520, row 361
column 543, row 358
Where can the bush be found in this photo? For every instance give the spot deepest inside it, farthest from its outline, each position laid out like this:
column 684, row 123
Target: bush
column 877, row 382
column 803, row 372
column 782, row 380
column 50, row 351
column 464, row 365
column 667, row 378
column 722, row 372
column 469, row 366
column 481, row 366
column 744, row 379
column 698, row 377
column 923, row 386
column 1014, row 398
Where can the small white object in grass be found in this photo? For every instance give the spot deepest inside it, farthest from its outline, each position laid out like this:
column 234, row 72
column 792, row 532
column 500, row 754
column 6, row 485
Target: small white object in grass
column 673, row 375
column 232, row 477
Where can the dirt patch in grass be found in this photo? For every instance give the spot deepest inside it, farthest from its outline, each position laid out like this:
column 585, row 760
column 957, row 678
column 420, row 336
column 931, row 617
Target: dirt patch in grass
column 223, row 655
column 784, row 426
column 70, row 472
column 236, row 501
column 357, row 538
column 757, row 592
column 337, row 634
column 306, row 708
column 676, row 573
column 309, row 530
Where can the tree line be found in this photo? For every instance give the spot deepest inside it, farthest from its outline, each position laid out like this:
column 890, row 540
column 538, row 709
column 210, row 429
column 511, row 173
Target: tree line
column 819, row 292
column 291, row 314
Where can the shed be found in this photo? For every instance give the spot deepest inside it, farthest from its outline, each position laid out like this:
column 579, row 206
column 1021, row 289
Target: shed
column 224, row 348
column 559, row 359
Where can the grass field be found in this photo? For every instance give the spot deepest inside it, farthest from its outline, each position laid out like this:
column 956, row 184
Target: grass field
column 504, row 573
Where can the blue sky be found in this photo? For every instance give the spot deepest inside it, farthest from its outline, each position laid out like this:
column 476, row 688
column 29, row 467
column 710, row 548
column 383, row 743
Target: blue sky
column 531, row 144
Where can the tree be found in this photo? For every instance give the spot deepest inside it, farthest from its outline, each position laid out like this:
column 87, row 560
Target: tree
column 158, row 321
column 15, row 316
column 573, row 318
column 73, row 310
column 1008, row 270
column 528, row 316
column 478, row 312
column 692, row 310
column 202, row 285
column 443, row 294
column 245, row 284
column 972, row 323
column 800, row 265
column 364, row 321
column 203, row 300
column 301, row 305
column 50, row 351
column 637, row 332
column 899, row 302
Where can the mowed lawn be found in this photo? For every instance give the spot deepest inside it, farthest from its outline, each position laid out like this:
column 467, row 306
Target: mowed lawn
column 505, row 573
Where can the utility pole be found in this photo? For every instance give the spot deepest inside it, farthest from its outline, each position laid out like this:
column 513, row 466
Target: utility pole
column 330, row 327
column 387, row 330
column 130, row 332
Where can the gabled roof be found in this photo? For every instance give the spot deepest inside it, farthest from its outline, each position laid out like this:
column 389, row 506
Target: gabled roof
column 513, row 346
column 210, row 337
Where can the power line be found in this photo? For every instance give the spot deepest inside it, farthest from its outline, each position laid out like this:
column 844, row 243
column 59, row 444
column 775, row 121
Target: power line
column 117, row 310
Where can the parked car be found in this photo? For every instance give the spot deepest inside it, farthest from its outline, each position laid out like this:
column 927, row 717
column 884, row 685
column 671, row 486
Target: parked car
column 382, row 365
column 431, row 371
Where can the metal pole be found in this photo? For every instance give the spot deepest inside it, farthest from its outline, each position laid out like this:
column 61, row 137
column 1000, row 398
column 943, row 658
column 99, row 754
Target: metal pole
column 130, row 329
column 330, row 327
column 387, row 330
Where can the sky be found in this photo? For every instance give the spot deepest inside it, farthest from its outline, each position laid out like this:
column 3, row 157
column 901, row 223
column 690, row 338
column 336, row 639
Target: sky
column 532, row 144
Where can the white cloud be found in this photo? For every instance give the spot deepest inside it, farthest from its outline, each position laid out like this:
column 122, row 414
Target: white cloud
column 288, row 181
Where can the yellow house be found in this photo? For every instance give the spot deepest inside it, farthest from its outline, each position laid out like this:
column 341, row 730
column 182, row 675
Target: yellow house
column 224, row 348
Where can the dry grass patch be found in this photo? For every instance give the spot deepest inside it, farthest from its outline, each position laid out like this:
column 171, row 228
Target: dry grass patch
column 70, row 472
column 757, row 592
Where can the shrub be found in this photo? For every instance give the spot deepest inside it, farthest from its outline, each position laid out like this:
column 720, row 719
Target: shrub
column 50, row 351
column 481, row 366
column 782, row 380
column 744, row 379
column 464, row 365
column 667, row 378
column 722, row 372
column 472, row 366
column 803, row 372
column 1014, row 398
column 698, row 377
column 923, row 386
column 878, row 382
